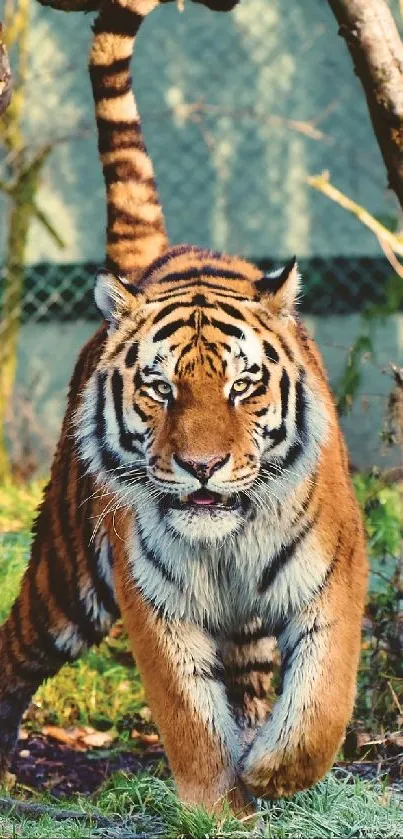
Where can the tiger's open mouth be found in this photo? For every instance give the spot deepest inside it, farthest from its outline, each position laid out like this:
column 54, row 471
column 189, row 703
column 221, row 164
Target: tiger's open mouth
column 203, row 501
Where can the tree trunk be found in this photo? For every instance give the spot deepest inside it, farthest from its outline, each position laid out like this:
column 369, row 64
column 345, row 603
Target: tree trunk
column 22, row 211
column 373, row 40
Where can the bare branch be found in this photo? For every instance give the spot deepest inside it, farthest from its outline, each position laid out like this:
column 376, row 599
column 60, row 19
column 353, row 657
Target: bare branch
column 44, row 219
column 322, row 184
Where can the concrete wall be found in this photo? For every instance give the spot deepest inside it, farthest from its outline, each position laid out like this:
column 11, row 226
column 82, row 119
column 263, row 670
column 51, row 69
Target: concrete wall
column 48, row 351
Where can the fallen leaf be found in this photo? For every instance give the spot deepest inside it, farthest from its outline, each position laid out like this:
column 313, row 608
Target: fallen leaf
column 98, row 739
column 69, row 738
column 147, row 739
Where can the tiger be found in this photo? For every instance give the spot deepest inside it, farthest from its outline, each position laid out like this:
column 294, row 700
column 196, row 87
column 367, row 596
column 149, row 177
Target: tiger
column 201, row 490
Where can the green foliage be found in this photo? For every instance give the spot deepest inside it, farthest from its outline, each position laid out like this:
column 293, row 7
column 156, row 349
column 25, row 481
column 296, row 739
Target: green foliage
column 381, row 673
column 96, row 690
column 350, row 381
column 18, row 505
column 14, row 551
column 381, row 506
column 372, row 316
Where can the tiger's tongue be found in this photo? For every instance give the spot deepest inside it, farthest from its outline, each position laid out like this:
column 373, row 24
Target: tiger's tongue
column 203, row 498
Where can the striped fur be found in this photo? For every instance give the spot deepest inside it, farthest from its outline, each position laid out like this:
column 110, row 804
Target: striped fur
column 135, row 225
column 200, row 488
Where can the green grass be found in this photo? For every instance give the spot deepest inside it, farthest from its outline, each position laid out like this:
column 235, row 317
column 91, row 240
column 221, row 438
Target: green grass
column 346, row 809
column 98, row 689
column 103, row 689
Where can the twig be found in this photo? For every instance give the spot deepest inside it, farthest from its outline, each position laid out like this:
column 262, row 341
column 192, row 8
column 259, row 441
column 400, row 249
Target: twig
column 322, row 184
column 10, row 807
column 394, row 697
column 390, row 256
column 112, row 829
column 193, row 110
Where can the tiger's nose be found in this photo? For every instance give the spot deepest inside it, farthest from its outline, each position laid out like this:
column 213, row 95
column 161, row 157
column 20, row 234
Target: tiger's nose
column 202, row 468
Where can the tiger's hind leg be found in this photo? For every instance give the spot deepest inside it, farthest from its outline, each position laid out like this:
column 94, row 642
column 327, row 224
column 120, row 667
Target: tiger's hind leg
column 249, row 661
column 65, row 605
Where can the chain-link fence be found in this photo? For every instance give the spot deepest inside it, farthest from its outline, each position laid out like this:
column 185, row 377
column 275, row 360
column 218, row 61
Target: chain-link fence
column 238, row 111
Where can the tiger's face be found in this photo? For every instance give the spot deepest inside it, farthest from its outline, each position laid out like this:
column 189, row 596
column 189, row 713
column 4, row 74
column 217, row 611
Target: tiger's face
column 200, row 410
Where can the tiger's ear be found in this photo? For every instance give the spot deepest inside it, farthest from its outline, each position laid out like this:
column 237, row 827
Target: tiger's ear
column 113, row 296
column 280, row 288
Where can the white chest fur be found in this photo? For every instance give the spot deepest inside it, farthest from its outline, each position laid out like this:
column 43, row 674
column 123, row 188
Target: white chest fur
column 250, row 576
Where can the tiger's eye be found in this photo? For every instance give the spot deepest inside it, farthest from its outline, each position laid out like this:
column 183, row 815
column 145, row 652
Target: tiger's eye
column 163, row 388
column 240, row 386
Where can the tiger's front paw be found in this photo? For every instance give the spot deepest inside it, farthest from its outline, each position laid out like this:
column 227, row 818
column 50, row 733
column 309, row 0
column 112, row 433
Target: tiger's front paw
column 281, row 774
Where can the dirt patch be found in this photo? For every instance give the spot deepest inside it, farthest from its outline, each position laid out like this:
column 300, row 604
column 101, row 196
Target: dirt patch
column 41, row 763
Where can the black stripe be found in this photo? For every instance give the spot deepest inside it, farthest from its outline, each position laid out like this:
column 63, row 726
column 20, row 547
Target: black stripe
column 124, row 134
column 260, row 391
column 180, row 290
column 119, row 65
column 162, row 260
column 234, row 671
column 110, row 89
column 334, row 562
column 99, row 414
column 169, row 329
column 126, row 439
column 293, row 454
column 247, row 636
column 306, row 502
column 270, row 352
column 65, row 593
column 102, row 590
column 231, row 311
column 157, row 563
column 118, row 20
column 166, row 310
column 73, row 609
column 300, row 408
column 228, row 329
column 285, row 555
column 40, row 620
column 140, row 413
column 125, row 170
column 109, row 459
column 285, row 392
column 201, row 272
column 197, row 301
column 132, row 355
column 286, row 659
column 283, row 344
column 278, row 435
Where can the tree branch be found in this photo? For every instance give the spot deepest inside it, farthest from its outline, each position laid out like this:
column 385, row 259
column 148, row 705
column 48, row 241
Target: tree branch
column 373, row 41
column 322, row 184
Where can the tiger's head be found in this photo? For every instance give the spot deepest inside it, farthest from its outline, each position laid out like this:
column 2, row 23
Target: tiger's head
column 201, row 408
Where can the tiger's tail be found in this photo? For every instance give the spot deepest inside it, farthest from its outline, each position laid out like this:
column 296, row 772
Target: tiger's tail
column 136, row 232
